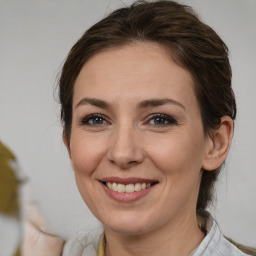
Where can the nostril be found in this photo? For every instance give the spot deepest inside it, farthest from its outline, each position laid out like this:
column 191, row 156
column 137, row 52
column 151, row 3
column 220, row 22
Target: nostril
column 133, row 163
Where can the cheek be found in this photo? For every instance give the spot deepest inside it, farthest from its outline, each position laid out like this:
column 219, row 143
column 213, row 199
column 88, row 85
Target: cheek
column 86, row 153
column 179, row 158
column 178, row 153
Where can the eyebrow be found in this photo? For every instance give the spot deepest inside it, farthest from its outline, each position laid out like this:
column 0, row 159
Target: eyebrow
column 159, row 102
column 92, row 101
column 144, row 104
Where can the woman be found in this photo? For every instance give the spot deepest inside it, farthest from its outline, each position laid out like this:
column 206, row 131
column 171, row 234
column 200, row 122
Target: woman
column 148, row 111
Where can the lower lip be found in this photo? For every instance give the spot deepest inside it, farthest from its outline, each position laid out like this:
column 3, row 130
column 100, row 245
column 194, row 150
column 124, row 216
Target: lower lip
column 127, row 197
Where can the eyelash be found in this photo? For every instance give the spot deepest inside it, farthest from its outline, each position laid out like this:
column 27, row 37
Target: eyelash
column 165, row 119
column 168, row 120
column 93, row 117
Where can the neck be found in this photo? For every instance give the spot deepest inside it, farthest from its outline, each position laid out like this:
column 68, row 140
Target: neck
column 178, row 238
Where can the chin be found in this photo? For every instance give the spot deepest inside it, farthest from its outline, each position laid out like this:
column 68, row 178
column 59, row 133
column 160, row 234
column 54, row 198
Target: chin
column 127, row 225
column 128, row 229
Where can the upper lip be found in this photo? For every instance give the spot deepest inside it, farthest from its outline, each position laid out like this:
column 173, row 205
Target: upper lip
column 130, row 180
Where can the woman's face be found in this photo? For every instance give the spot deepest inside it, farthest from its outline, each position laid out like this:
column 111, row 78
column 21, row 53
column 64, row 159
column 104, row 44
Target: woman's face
column 137, row 128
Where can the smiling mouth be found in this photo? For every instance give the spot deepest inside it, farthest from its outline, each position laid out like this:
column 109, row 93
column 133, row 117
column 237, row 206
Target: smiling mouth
column 128, row 188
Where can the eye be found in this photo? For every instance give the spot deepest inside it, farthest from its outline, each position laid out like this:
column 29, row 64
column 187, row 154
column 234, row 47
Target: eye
column 161, row 120
column 94, row 120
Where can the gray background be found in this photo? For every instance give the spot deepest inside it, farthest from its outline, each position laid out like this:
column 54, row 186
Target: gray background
column 35, row 37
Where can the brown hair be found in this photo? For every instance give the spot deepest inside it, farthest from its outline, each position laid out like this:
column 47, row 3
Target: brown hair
column 192, row 44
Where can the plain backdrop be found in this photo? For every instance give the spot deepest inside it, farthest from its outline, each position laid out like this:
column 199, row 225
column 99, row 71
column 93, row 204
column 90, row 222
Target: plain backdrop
column 35, row 37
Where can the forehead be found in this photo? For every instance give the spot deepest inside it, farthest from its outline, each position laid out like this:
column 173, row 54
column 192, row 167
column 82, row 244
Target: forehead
column 136, row 71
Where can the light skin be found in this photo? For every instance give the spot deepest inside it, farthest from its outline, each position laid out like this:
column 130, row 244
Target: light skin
column 135, row 114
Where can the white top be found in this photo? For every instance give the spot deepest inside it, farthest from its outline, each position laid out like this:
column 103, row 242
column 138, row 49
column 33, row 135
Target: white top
column 214, row 243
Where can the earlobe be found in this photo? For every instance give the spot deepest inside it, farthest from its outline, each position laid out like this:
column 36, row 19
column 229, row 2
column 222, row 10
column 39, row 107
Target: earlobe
column 218, row 145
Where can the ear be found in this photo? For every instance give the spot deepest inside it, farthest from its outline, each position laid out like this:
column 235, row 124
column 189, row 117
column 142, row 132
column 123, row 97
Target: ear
column 66, row 142
column 218, row 145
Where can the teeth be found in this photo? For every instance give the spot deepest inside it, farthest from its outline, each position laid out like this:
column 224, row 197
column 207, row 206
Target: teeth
column 137, row 187
column 114, row 186
column 109, row 185
column 129, row 188
column 120, row 188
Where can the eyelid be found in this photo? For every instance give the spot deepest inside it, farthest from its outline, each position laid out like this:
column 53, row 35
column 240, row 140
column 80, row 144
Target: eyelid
column 169, row 118
column 86, row 118
column 166, row 117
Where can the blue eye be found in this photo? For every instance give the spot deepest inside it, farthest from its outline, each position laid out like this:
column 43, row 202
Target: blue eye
column 94, row 119
column 161, row 120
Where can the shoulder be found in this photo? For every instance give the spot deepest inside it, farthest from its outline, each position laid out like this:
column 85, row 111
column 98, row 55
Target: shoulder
column 84, row 244
column 215, row 243
column 229, row 248
column 246, row 249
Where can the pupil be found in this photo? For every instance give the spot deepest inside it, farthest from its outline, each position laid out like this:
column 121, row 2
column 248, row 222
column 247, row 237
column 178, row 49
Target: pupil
column 97, row 120
column 159, row 120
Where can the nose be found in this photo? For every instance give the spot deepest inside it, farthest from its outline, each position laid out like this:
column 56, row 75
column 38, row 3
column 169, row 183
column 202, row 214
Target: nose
column 125, row 150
